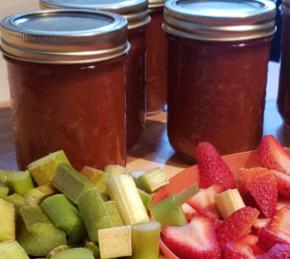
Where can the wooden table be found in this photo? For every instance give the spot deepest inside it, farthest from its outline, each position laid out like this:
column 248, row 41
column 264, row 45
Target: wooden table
column 154, row 149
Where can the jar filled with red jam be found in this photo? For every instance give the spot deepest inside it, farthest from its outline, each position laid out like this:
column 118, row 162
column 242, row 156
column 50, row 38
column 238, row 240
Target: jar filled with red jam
column 218, row 53
column 137, row 14
column 156, row 72
column 67, row 83
column 284, row 83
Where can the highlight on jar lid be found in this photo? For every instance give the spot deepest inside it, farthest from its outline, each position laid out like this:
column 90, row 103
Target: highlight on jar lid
column 285, row 6
column 156, row 3
column 64, row 36
column 220, row 20
column 135, row 11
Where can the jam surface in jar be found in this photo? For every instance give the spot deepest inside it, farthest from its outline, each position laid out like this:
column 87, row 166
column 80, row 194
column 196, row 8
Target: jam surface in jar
column 283, row 100
column 156, row 71
column 68, row 91
column 217, row 73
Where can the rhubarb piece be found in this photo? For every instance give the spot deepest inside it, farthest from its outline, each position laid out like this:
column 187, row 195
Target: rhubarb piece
column 112, row 170
column 36, row 195
column 278, row 251
column 94, row 212
column 4, row 177
column 122, row 189
column 74, row 253
column 65, row 215
column 204, row 201
column 229, row 202
column 7, row 221
column 194, row 240
column 212, row 168
column 56, row 250
column 94, row 248
column 146, row 198
column 21, row 182
column 68, row 181
column 136, row 174
column 115, row 242
column 237, row 225
column 273, row 155
column 16, row 199
column 153, row 179
column 36, row 233
column 145, row 240
column 44, row 169
column 4, row 191
column 169, row 210
column 97, row 177
column 12, row 250
column 114, row 213
column 261, row 185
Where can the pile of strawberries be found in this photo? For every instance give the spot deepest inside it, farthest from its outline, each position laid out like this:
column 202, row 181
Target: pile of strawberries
column 259, row 230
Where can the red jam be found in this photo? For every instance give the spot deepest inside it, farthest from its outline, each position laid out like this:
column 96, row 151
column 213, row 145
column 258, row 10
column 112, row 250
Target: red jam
column 217, row 73
column 156, row 75
column 74, row 105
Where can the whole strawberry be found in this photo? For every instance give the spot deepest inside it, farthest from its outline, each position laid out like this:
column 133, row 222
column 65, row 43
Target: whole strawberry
column 212, row 168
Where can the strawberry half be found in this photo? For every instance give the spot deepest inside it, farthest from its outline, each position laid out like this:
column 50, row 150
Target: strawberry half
column 268, row 238
column 189, row 212
column 261, row 184
column 237, row 225
column 278, row 251
column 212, row 168
column 260, row 223
column 283, row 181
column 204, row 201
column 194, row 240
column 273, row 155
column 281, row 221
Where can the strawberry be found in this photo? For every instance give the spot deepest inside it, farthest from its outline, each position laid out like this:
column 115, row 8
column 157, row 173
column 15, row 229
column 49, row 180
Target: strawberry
column 273, row 155
column 204, row 201
column 282, row 203
column 268, row 238
column 281, row 221
column 278, row 251
column 236, row 250
column 237, row 225
column 261, row 184
column 194, row 240
column 283, row 181
column 212, row 168
column 261, row 223
column 189, row 212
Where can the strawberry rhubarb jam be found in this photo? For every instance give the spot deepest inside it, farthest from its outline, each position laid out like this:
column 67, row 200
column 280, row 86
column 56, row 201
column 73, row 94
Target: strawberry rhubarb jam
column 67, row 82
column 217, row 72
column 284, row 83
column 137, row 14
column 156, row 59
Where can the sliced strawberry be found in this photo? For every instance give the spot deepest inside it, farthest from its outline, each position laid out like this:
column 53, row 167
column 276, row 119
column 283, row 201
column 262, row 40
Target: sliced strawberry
column 236, row 250
column 278, row 251
column 273, row 155
column 194, row 240
column 261, row 223
column 204, row 201
column 261, row 184
column 282, row 203
column 189, row 212
column 283, row 181
column 268, row 238
column 212, row 168
column 237, row 225
column 281, row 221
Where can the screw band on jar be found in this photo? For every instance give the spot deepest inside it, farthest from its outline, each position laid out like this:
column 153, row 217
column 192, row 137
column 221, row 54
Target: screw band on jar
column 255, row 19
column 33, row 36
column 134, row 11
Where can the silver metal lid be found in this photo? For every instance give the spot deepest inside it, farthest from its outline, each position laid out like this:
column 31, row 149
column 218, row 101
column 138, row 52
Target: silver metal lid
column 285, row 6
column 64, row 36
column 135, row 11
column 220, row 20
column 156, row 4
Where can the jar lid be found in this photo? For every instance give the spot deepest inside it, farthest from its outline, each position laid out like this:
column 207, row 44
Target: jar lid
column 156, row 3
column 220, row 20
column 135, row 11
column 64, row 36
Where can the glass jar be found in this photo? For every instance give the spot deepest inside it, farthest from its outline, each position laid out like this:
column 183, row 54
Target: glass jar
column 67, row 82
column 218, row 55
column 283, row 100
column 137, row 14
column 156, row 71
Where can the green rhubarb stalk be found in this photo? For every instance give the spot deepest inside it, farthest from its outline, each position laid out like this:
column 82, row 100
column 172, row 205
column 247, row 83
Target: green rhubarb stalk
column 21, row 182
column 64, row 215
column 36, row 195
column 4, row 191
column 12, row 250
column 43, row 169
column 114, row 213
column 17, row 200
column 136, row 174
column 94, row 212
column 94, row 248
column 145, row 240
column 146, row 198
column 56, row 250
column 152, row 180
column 112, row 170
column 74, row 253
column 169, row 211
column 7, row 221
column 68, row 181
